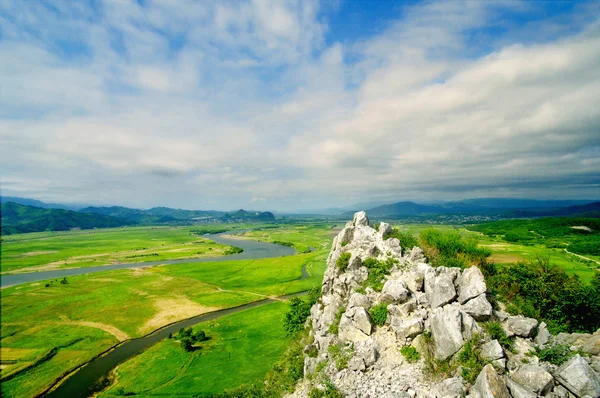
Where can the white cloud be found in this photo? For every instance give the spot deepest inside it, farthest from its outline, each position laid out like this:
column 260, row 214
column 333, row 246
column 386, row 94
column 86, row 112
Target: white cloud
column 244, row 103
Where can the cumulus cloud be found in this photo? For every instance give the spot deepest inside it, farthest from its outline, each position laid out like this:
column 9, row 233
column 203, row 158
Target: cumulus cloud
column 255, row 104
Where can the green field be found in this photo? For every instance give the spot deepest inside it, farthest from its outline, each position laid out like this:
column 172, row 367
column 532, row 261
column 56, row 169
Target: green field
column 43, row 251
column 504, row 252
column 241, row 349
column 107, row 307
column 302, row 237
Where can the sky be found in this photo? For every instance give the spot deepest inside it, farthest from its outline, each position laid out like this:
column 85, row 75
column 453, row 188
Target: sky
column 293, row 105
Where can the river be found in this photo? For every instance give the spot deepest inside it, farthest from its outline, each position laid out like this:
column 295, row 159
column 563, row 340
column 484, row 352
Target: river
column 252, row 249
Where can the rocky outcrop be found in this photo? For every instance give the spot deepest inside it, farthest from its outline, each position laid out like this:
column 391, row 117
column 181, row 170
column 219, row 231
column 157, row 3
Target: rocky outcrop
column 433, row 316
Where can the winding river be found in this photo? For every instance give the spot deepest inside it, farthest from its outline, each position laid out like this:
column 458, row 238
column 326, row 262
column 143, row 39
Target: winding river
column 252, row 250
column 93, row 376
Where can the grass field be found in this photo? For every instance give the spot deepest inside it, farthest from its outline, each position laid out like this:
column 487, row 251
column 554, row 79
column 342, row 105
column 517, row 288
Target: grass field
column 505, row 252
column 92, row 312
column 74, row 249
column 241, row 349
column 303, row 237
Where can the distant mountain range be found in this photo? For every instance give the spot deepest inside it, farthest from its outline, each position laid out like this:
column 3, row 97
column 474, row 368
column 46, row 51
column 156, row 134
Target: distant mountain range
column 20, row 218
column 29, row 215
column 507, row 208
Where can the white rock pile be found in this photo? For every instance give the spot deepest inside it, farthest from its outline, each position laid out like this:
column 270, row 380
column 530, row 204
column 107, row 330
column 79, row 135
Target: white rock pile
column 435, row 310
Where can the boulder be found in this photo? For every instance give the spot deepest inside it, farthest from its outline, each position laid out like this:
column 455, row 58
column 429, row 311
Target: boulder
column 478, row 307
column 359, row 300
column 520, row 326
column 446, row 330
column 469, row 326
column 471, row 284
column 449, row 388
column 360, row 218
column 443, row 291
column 492, row 350
column 534, row 378
column 355, row 325
column 413, row 280
column 345, row 236
column 361, row 320
column 489, row 385
column 543, row 335
column 592, row 345
column 355, row 263
column 578, row 377
column 406, row 328
column 356, row 364
column 416, row 255
column 385, row 230
column 517, row 390
column 394, row 291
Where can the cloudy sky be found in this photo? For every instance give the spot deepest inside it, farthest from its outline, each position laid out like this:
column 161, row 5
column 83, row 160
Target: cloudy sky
column 286, row 105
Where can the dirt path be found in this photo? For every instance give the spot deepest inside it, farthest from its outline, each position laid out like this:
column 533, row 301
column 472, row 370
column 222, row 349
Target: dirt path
column 583, row 257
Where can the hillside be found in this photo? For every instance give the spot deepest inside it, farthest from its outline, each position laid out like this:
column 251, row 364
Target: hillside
column 498, row 208
column 37, row 203
column 18, row 218
column 388, row 324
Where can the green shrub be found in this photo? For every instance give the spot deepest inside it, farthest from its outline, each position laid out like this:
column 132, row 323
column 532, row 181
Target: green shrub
column 379, row 314
column 330, row 391
column 296, row 316
column 406, row 238
column 470, row 361
column 343, row 261
column 377, row 272
column 410, row 353
column 556, row 355
column 450, row 249
column 544, row 291
column 495, row 331
column 335, row 326
column 312, row 352
column 341, row 355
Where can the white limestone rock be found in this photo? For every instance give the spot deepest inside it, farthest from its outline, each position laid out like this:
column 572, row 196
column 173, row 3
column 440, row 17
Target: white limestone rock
column 534, row 378
column 492, row 350
column 471, row 284
column 520, row 326
column 446, row 330
column 394, row 291
column 517, row 390
column 478, row 307
column 578, row 377
column 489, row 385
column 443, row 290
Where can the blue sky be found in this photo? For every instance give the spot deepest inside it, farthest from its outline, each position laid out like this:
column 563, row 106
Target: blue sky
column 285, row 105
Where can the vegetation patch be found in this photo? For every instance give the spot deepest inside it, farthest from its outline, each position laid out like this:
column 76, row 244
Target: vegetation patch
column 544, row 291
column 379, row 313
column 406, row 238
column 343, row 261
column 555, row 354
column 299, row 311
column 496, row 332
column 378, row 269
column 410, row 353
column 470, row 361
column 341, row 354
column 329, row 391
column 334, row 328
column 450, row 249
